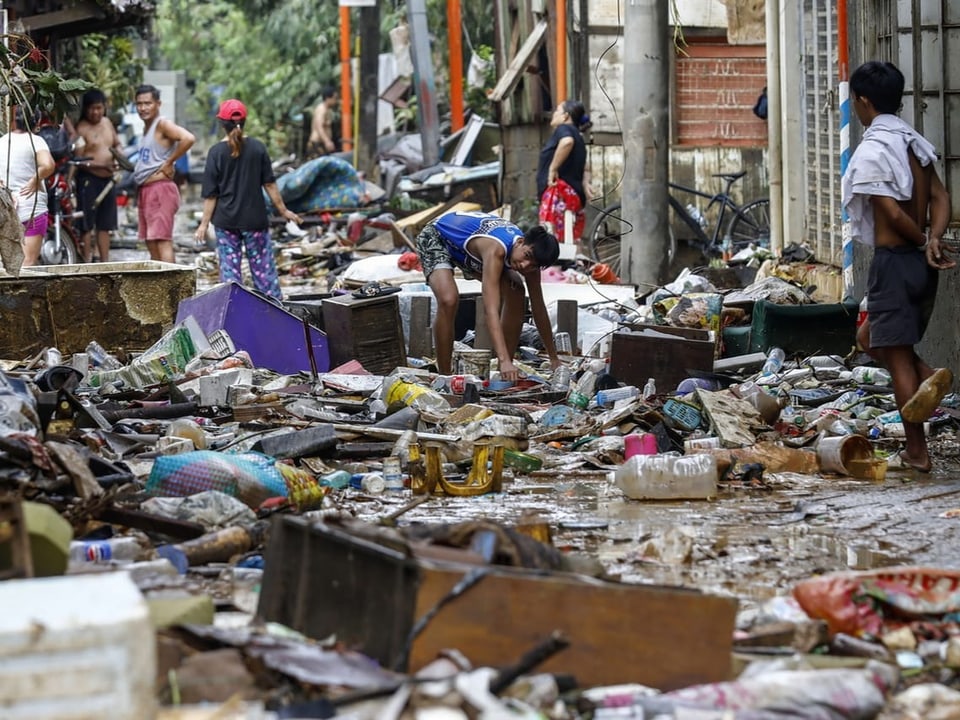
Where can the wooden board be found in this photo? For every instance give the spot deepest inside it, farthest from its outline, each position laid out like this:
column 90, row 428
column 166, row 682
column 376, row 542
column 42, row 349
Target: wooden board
column 666, row 638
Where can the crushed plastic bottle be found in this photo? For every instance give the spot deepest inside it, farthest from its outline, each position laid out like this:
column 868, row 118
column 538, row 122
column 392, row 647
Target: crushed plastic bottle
column 121, row 549
column 100, row 358
column 867, row 375
column 774, row 362
column 667, row 477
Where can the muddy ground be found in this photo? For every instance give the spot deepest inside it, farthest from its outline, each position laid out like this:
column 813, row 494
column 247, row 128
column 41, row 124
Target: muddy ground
column 750, row 542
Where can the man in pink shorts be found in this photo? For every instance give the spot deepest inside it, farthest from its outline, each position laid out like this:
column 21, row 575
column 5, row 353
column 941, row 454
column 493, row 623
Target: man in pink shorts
column 164, row 142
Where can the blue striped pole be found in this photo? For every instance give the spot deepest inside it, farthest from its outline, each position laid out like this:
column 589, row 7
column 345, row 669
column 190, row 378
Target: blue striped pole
column 847, row 243
column 843, row 63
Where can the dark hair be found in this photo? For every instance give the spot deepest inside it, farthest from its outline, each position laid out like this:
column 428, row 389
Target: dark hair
column 234, row 130
column 577, row 113
column 21, row 118
column 144, row 89
column 546, row 249
column 91, row 97
column 328, row 92
column 881, row 83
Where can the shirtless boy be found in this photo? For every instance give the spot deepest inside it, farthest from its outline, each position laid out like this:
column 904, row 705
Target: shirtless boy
column 897, row 203
column 96, row 175
column 158, row 199
column 321, row 128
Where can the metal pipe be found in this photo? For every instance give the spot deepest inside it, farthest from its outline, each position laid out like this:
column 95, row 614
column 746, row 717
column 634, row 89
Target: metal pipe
column 561, row 84
column 346, row 98
column 454, row 40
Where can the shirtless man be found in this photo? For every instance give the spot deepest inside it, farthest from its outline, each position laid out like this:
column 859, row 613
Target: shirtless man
column 897, row 203
column 96, row 175
column 321, row 129
column 158, row 198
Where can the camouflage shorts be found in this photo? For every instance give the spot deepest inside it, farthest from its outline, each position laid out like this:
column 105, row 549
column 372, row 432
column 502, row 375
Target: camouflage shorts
column 432, row 251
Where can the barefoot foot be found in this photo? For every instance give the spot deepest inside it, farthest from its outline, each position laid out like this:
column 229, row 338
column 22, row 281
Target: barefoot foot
column 922, row 466
column 928, row 396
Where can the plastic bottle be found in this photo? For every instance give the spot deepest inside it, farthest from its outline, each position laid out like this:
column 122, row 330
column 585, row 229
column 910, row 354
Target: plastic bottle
column 866, row 375
column 187, row 428
column 122, row 549
column 373, row 483
column 398, row 390
column 774, row 362
column 521, row 461
column 697, row 216
column 650, row 389
column 581, row 393
column 401, row 448
column 338, row 479
column 666, row 477
column 608, row 398
column 100, row 358
column 392, row 475
column 862, row 312
column 561, row 379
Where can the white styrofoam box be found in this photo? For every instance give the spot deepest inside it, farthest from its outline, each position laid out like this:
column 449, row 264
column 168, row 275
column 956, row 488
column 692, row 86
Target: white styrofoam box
column 79, row 647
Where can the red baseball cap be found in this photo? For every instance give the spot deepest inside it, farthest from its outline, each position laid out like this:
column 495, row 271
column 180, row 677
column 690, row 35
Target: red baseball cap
column 232, row 110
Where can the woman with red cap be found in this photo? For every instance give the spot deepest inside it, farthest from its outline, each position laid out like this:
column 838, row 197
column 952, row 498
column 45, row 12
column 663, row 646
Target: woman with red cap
column 237, row 169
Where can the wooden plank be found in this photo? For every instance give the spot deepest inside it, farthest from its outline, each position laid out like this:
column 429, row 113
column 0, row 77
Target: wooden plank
column 730, row 417
column 666, row 638
column 416, row 222
column 521, row 60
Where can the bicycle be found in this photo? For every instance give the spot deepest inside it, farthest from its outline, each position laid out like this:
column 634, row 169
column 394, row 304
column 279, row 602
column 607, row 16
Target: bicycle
column 750, row 224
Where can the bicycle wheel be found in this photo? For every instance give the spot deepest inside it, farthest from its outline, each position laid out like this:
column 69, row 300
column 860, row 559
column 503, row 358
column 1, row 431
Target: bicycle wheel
column 751, row 225
column 603, row 237
column 67, row 253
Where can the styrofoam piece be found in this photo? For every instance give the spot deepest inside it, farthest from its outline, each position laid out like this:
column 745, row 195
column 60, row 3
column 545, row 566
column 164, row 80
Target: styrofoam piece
column 79, row 647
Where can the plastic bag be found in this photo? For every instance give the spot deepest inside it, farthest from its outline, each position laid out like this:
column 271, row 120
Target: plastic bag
column 250, row 477
column 760, row 106
column 695, row 310
column 213, row 509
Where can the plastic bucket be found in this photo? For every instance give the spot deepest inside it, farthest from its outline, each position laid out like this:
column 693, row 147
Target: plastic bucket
column 473, row 362
column 836, row 453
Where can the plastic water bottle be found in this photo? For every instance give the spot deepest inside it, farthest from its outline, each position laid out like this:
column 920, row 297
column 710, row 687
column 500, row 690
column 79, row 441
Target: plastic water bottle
column 122, row 549
column 666, row 477
column 561, row 379
column 581, row 393
column 774, row 362
column 608, row 398
column 862, row 312
column 650, row 389
column 697, row 216
column 866, row 375
column 338, row 479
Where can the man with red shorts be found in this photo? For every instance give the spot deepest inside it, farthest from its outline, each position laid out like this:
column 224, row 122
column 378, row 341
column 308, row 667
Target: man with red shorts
column 158, row 199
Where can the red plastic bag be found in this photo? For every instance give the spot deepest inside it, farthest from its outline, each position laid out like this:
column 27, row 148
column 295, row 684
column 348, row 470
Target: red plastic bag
column 555, row 201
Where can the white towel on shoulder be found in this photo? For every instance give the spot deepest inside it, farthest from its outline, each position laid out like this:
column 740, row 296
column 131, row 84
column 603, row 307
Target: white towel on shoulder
column 880, row 166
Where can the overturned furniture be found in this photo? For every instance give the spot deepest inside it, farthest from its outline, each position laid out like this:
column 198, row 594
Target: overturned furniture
column 402, row 610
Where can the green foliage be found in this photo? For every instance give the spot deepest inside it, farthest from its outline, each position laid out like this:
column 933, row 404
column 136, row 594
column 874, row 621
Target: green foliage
column 277, row 55
column 27, row 77
column 108, row 62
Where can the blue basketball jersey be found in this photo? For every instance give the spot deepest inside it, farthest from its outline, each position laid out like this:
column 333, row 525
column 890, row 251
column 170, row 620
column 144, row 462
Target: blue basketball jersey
column 457, row 228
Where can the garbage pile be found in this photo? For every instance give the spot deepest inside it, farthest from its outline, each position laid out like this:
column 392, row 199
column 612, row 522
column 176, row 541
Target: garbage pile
column 216, row 513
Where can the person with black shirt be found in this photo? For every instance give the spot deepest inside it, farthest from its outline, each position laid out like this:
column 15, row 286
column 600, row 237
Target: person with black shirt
column 237, row 169
column 560, row 172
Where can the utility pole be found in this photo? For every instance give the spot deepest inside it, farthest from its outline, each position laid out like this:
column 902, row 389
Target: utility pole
column 424, row 84
column 369, row 90
column 644, row 245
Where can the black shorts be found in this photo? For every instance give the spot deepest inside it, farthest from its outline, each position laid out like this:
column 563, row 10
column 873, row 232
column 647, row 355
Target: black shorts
column 104, row 215
column 901, row 291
